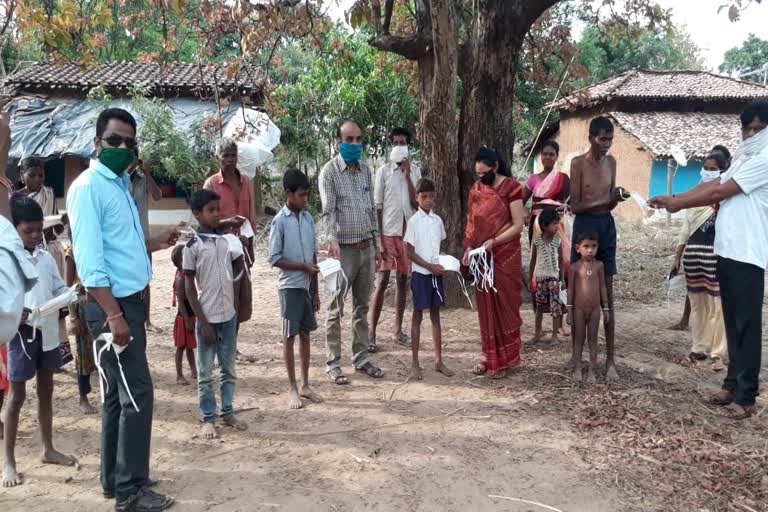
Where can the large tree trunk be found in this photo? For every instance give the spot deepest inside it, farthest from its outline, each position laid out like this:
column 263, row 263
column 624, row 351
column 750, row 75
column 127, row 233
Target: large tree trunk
column 488, row 76
column 437, row 112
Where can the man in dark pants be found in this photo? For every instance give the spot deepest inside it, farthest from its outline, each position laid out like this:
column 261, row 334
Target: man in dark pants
column 112, row 260
column 741, row 244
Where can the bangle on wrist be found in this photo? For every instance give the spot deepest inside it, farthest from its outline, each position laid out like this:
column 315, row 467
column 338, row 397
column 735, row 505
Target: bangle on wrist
column 114, row 317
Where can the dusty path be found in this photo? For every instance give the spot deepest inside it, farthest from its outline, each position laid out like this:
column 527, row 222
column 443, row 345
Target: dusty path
column 442, row 444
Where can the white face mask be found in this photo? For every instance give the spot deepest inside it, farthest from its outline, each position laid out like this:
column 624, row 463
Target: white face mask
column 398, row 154
column 707, row 176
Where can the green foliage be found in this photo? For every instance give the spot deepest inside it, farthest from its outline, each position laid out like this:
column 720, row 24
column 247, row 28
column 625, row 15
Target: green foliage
column 753, row 54
column 608, row 52
column 346, row 78
column 170, row 153
column 166, row 149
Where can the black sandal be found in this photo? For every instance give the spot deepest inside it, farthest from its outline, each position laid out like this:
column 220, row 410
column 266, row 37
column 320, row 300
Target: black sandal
column 371, row 371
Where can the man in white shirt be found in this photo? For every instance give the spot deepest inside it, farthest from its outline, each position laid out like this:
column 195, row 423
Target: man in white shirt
column 741, row 244
column 395, row 201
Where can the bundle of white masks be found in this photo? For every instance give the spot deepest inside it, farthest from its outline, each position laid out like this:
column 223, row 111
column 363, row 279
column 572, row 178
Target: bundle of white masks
column 481, row 268
column 332, row 273
column 103, row 382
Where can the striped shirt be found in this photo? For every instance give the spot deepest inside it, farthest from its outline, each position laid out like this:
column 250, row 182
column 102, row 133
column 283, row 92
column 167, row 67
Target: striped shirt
column 348, row 215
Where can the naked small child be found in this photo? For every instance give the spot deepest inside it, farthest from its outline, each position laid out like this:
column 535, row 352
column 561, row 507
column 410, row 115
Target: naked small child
column 587, row 296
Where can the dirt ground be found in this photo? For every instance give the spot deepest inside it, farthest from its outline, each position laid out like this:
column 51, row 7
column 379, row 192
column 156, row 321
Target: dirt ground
column 441, row 444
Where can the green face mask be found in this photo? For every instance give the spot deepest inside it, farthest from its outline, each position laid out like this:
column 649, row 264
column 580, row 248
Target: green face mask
column 117, row 159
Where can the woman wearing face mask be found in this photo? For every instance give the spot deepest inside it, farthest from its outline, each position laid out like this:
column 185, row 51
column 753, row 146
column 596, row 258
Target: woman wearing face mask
column 33, row 175
column 495, row 220
column 696, row 257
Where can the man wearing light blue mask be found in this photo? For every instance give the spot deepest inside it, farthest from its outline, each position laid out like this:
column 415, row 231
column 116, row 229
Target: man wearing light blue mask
column 350, row 227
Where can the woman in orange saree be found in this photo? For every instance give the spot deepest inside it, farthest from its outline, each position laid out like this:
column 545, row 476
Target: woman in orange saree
column 495, row 220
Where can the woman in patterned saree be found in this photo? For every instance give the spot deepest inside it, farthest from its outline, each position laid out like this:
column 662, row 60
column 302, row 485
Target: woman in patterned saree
column 549, row 189
column 495, row 221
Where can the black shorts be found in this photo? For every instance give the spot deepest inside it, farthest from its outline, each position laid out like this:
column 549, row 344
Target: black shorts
column 297, row 311
column 605, row 227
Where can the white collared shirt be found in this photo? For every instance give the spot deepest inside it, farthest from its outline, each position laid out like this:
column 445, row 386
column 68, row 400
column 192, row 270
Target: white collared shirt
column 392, row 198
column 741, row 230
column 49, row 285
column 425, row 232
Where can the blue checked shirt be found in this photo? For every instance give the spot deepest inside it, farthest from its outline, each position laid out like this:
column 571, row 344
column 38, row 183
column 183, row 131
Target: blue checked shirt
column 293, row 239
column 107, row 238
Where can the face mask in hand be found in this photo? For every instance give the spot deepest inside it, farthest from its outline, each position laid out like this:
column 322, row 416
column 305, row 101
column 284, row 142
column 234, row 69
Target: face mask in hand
column 707, row 175
column 351, row 153
column 117, row 159
column 398, row 154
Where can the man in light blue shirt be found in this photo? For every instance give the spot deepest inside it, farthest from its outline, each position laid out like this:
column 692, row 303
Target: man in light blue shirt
column 111, row 258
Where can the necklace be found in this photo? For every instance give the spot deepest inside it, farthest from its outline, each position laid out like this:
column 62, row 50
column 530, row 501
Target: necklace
column 589, row 268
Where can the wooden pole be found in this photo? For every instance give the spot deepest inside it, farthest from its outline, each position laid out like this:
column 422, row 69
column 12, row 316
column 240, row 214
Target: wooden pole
column 670, row 178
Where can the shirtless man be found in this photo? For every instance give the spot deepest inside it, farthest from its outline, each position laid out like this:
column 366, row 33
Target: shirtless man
column 587, row 295
column 594, row 195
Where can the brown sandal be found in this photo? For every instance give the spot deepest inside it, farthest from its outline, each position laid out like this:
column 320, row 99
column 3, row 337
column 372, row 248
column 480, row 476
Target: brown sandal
column 722, row 397
column 733, row 414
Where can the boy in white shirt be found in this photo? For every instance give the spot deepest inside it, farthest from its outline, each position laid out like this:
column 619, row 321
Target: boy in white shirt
column 34, row 350
column 423, row 236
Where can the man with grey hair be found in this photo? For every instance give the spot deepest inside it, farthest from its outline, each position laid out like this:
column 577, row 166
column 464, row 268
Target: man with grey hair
column 234, row 188
column 236, row 205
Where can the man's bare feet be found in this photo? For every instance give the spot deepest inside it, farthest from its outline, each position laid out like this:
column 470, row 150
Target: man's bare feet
column 416, row 372
column 294, row 402
column 181, row 381
column 86, row 407
column 441, row 368
column 554, row 338
column 536, row 338
column 591, row 379
column 564, row 331
column 10, row 477
column 611, row 375
column 309, row 393
column 209, row 431
column 56, row 457
column 235, row 423
column 577, row 377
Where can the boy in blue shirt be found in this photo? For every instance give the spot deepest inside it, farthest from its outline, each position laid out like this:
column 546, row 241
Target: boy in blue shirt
column 292, row 250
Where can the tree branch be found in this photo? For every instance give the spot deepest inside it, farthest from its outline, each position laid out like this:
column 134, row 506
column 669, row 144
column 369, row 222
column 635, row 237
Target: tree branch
column 411, row 47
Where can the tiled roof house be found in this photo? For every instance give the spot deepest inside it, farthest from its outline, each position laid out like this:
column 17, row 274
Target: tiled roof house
column 51, row 117
column 653, row 110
